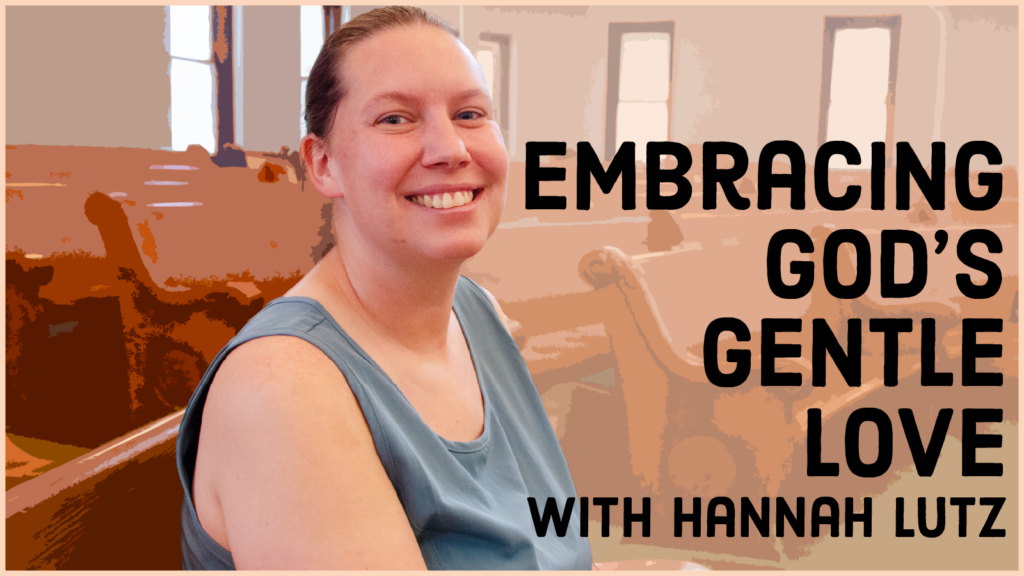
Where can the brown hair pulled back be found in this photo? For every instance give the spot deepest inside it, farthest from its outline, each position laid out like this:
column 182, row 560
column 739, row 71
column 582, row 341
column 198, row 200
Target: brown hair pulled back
column 324, row 89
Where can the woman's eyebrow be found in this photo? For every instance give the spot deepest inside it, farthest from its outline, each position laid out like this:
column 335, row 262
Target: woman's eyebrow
column 393, row 95
column 471, row 93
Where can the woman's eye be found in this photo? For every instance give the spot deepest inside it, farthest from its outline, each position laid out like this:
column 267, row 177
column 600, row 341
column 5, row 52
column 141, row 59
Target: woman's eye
column 394, row 120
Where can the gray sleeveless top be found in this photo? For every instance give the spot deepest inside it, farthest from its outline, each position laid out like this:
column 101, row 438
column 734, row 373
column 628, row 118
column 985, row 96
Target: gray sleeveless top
column 466, row 501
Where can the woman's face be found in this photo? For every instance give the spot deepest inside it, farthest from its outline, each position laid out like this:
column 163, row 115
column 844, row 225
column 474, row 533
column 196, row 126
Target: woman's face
column 416, row 157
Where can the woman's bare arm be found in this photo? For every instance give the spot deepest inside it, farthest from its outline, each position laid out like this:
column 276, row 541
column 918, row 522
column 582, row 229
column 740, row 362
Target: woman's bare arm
column 290, row 459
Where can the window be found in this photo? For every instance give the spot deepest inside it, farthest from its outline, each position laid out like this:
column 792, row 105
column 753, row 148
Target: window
column 639, row 85
column 201, row 71
column 858, row 91
column 192, row 77
column 494, row 57
column 316, row 23
column 311, row 39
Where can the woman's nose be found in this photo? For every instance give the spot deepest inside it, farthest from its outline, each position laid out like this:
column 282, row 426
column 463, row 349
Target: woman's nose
column 443, row 145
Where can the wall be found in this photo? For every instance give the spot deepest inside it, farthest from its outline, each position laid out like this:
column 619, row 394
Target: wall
column 272, row 85
column 724, row 90
column 87, row 76
column 749, row 76
column 981, row 95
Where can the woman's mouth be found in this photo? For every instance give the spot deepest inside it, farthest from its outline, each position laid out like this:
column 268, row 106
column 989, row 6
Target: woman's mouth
column 445, row 200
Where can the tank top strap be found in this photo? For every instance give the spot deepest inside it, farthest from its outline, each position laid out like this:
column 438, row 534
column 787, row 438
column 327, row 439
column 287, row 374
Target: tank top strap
column 474, row 308
column 483, row 327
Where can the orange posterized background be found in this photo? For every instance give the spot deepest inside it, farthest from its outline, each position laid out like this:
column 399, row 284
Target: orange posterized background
column 129, row 264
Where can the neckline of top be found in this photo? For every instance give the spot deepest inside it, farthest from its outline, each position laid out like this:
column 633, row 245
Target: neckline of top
column 452, row 445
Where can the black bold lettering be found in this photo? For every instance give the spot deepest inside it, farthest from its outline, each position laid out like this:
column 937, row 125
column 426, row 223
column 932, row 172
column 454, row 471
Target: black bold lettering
column 584, row 517
column 605, row 504
column 972, row 351
column 919, row 267
column 929, row 377
column 932, row 187
column 729, row 520
column 740, row 357
column 963, row 251
column 824, row 341
column 881, row 421
column 922, row 517
column 727, row 177
column 748, row 513
column 864, row 518
column 962, row 504
column 767, row 179
column 925, row 459
column 821, row 189
column 878, row 175
column 630, row 517
column 901, row 531
column 817, row 519
column 987, row 531
column 815, row 467
column 993, row 181
column 862, row 249
column 770, row 350
column 784, row 514
column 623, row 164
column 656, row 175
column 540, row 524
column 891, row 327
column 972, row 441
column 804, row 270
column 535, row 175
column 692, row 517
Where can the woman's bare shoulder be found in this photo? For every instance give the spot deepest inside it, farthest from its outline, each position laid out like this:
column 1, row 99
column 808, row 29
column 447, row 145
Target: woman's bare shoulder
column 277, row 381
column 293, row 465
column 284, row 360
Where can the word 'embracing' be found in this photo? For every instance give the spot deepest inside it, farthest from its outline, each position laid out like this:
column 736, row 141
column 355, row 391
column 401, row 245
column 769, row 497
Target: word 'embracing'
column 623, row 166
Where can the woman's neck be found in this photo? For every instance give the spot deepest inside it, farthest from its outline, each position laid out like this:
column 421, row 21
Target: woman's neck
column 408, row 303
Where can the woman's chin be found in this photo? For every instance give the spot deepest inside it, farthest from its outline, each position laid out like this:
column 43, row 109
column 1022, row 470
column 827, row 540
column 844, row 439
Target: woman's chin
column 454, row 252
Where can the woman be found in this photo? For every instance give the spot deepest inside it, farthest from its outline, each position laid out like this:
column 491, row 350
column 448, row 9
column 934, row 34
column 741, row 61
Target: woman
column 412, row 436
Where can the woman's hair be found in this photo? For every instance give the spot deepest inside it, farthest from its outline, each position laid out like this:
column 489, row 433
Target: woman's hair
column 324, row 89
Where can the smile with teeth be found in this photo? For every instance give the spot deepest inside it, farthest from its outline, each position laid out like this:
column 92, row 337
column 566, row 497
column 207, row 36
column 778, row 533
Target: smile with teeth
column 442, row 201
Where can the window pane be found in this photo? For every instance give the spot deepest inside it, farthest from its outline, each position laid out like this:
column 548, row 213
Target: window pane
column 192, row 105
column 190, row 32
column 860, row 65
column 859, row 123
column 860, row 84
column 644, row 67
column 641, row 122
column 489, row 56
column 486, row 60
column 311, row 33
column 302, row 111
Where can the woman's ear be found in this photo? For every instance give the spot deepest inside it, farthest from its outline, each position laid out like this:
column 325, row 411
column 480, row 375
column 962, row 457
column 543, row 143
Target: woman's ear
column 317, row 162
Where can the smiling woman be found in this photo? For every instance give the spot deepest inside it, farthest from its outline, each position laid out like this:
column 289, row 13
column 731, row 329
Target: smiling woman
column 379, row 415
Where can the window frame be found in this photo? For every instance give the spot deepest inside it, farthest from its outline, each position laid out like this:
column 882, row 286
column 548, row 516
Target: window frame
column 332, row 18
column 327, row 14
column 615, row 32
column 221, row 64
column 222, row 29
column 833, row 24
column 503, row 69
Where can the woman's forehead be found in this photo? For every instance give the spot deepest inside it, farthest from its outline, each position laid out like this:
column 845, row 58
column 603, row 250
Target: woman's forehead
column 408, row 58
